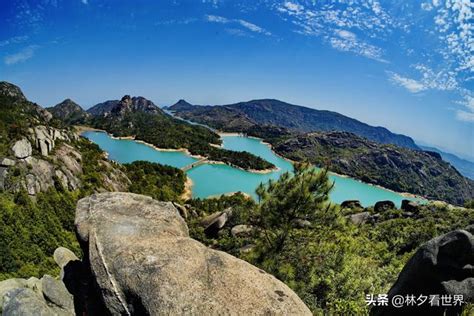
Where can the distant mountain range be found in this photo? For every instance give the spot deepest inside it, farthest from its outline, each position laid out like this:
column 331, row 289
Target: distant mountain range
column 464, row 166
column 294, row 117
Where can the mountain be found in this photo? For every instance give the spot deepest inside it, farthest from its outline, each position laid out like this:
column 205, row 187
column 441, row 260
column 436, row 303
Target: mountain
column 298, row 118
column 102, row 108
column 142, row 119
column 127, row 103
column 45, row 167
column 400, row 169
column 70, row 112
column 465, row 167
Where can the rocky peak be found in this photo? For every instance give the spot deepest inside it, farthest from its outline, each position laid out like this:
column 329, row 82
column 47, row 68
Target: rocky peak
column 10, row 90
column 69, row 112
column 135, row 104
column 181, row 105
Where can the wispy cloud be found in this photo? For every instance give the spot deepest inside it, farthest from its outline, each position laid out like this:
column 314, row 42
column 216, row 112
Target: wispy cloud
column 348, row 42
column 428, row 79
column 23, row 55
column 465, row 116
column 411, row 85
column 243, row 23
column 85, row 2
column 339, row 25
column 13, row 40
column 467, row 113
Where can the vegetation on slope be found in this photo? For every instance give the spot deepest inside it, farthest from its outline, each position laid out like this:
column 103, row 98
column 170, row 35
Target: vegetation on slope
column 69, row 112
column 163, row 183
column 330, row 262
column 297, row 118
column 396, row 168
column 164, row 131
column 32, row 227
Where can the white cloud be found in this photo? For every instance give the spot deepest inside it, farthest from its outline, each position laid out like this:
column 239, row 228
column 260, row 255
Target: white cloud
column 13, row 40
column 465, row 116
column 85, row 2
column 426, row 6
column 293, row 7
column 333, row 22
column 21, row 56
column 245, row 24
column 217, row 19
column 411, row 85
column 347, row 41
column 429, row 79
column 254, row 28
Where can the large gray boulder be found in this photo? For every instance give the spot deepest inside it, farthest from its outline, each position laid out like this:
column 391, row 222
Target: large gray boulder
column 22, row 148
column 8, row 285
column 144, row 263
column 47, row 296
column 55, row 292
column 442, row 266
column 24, row 301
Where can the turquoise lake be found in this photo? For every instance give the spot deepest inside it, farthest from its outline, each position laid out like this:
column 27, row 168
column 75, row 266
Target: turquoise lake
column 216, row 179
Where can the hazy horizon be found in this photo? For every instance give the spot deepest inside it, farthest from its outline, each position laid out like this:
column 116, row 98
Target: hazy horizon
column 404, row 66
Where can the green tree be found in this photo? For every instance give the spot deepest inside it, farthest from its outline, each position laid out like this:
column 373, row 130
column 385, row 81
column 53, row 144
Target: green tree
column 304, row 196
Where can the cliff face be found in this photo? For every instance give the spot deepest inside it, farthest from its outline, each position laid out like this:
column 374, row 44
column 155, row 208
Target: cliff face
column 144, row 262
column 399, row 169
column 37, row 153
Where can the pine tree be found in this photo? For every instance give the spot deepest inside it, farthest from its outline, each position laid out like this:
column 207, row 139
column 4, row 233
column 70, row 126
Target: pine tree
column 303, row 196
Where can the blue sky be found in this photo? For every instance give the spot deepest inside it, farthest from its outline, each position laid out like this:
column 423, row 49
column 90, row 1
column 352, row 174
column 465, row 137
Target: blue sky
column 405, row 65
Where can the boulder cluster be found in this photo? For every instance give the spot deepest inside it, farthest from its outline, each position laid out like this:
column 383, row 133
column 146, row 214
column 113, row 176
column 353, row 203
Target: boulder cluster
column 139, row 260
column 45, row 296
column 45, row 157
column 360, row 215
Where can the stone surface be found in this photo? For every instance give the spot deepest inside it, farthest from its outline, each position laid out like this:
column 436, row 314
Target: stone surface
column 22, row 149
column 359, row 218
column 7, row 162
column 62, row 256
column 443, row 266
column 24, row 301
column 410, row 206
column 215, row 222
column 382, row 206
column 8, row 285
column 351, row 204
column 301, row 223
column 55, row 292
column 145, row 263
column 241, row 230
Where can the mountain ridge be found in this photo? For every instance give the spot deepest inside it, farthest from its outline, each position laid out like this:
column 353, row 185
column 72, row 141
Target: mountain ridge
column 69, row 112
column 464, row 166
column 401, row 169
column 295, row 117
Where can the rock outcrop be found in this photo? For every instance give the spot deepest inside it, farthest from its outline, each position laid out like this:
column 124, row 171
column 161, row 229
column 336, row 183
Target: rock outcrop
column 382, row 206
column 43, row 297
column 442, row 266
column 22, row 149
column 144, row 263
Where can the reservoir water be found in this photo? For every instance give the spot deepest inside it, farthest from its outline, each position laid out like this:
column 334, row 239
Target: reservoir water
column 216, row 179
